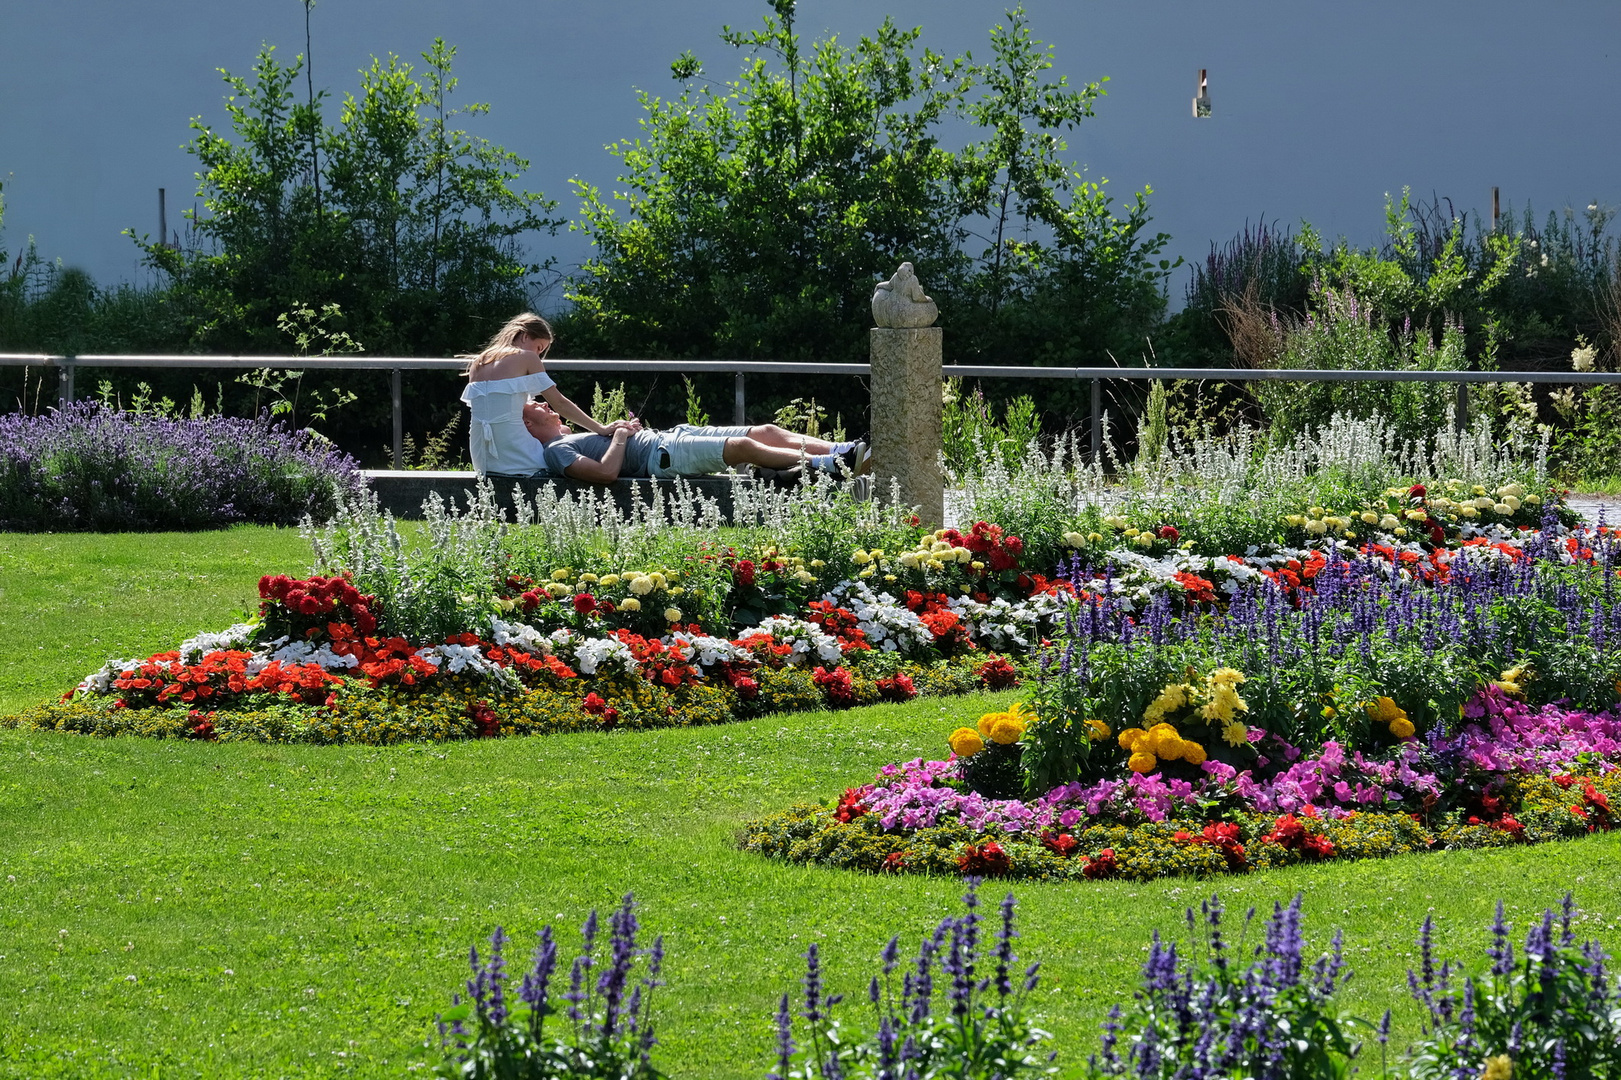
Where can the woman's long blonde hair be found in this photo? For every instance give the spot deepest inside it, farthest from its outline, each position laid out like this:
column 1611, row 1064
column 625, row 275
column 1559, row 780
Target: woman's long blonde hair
column 506, row 339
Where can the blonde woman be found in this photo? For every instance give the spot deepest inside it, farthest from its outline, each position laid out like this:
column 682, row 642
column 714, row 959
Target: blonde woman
column 500, row 381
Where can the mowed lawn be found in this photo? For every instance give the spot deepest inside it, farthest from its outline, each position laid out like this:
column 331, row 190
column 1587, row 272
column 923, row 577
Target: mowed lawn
column 195, row 909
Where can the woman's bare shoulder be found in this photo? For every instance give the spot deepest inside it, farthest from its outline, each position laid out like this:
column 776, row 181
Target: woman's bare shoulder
column 505, row 363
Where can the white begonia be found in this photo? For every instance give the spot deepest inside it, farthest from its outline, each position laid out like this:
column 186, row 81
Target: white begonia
column 521, row 634
column 467, row 660
column 594, row 656
column 239, row 637
column 302, row 652
column 708, row 651
column 890, row 625
column 806, row 639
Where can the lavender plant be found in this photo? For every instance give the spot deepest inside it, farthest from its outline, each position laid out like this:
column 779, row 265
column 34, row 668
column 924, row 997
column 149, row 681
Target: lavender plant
column 90, row 468
column 607, row 1033
column 1208, row 1015
column 1552, row 1012
column 957, row 1014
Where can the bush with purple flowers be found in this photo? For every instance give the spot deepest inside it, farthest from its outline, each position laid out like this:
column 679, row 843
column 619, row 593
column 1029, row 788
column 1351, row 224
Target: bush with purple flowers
column 1553, row 1012
column 1209, row 1015
column 608, row 1031
column 958, row 1013
column 89, row 468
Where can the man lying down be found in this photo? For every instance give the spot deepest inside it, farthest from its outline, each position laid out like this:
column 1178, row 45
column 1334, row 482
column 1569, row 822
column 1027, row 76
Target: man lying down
column 686, row 450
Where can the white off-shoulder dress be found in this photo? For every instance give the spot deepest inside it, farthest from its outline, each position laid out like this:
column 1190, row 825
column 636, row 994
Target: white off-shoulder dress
column 498, row 441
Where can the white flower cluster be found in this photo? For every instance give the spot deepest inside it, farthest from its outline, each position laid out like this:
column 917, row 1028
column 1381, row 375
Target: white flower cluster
column 889, row 624
column 602, row 656
column 708, row 651
column 238, row 637
column 101, row 681
column 520, row 634
column 302, row 652
column 1003, row 625
column 466, row 659
column 805, row 638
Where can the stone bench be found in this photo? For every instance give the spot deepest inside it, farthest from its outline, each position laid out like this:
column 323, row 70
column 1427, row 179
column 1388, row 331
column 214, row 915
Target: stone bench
column 402, row 493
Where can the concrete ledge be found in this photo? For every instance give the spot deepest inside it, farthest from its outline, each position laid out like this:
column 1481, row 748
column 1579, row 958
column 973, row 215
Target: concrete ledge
column 402, row 493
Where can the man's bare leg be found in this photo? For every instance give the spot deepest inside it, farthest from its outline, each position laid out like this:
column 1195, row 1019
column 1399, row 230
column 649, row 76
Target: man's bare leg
column 772, row 435
column 742, row 450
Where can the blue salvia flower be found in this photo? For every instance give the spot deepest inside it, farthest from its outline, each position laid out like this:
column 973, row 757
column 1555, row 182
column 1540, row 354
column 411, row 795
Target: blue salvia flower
column 621, row 953
column 813, row 985
column 785, row 1042
column 1004, row 949
column 497, row 971
column 1501, row 950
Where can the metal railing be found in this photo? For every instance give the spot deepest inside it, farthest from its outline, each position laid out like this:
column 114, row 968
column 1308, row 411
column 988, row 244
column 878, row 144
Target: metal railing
column 739, row 369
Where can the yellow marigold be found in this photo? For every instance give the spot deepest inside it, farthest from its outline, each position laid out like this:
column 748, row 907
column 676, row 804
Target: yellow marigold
column 608, row 579
column 1384, row 710
column 1235, row 734
column 965, row 742
column 1132, row 735
column 1500, row 1067
column 641, row 585
column 1192, row 753
column 1165, row 742
column 1402, row 728
column 630, row 603
column 988, row 722
column 1142, row 762
column 1226, row 676
column 1007, row 730
column 672, row 614
column 1097, row 730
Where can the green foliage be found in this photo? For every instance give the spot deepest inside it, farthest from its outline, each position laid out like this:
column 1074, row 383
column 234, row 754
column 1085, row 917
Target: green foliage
column 696, row 415
column 407, row 222
column 610, row 406
column 970, row 431
column 809, row 418
column 835, row 153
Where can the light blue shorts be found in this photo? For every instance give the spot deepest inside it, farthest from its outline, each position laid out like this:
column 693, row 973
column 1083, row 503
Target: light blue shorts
column 690, row 450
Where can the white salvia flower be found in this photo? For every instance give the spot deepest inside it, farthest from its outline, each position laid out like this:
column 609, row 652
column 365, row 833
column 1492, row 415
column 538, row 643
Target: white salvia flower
column 239, row 636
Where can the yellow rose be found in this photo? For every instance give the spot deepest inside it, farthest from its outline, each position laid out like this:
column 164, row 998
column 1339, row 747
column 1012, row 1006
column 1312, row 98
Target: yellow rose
column 965, row 742
column 1142, row 762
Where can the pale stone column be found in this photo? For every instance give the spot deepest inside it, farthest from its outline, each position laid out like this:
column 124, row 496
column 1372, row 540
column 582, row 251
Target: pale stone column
column 906, row 379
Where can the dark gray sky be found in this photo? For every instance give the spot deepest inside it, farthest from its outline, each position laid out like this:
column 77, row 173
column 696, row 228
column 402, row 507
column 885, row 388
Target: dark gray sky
column 1320, row 109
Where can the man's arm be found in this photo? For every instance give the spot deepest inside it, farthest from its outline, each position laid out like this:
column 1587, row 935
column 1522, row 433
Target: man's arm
column 605, row 471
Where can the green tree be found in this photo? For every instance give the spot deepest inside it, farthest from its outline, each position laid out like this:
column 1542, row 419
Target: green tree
column 753, row 216
column 409, row 224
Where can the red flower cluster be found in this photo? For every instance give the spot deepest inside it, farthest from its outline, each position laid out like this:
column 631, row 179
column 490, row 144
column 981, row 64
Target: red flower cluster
column 1594, row 807
column 1059, row 843
column 766, row 649
column 1224, row 836
column 486, row 724
column 1290, row 832
column 950, row 632
column 998, row 550
column 659, row 663
column 850, row 807
column 984, row 860
column 839, row 623
column 330, row 599
column 1198, row 590
column 897, row 687
column 743, row 573
column 163, row 679
column 836, row 684
column 1101, row 865
column 596, row 705
column 998, row 673
column 200, row 725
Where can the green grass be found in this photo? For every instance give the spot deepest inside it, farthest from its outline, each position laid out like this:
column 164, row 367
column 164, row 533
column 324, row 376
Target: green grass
column 69, row 601
column 303, row 911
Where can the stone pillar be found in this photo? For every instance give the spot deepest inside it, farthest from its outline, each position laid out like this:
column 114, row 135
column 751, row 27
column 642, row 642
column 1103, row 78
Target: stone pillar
column 906, row 379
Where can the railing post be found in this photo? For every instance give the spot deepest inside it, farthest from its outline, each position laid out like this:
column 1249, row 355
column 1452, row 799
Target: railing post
column 64, row 382
column 399, row 420
column 1461, row 412
column 737, row 399
column 1097, row 420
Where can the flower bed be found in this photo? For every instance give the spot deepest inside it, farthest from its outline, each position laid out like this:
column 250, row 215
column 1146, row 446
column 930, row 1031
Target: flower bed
column 1360, row 711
